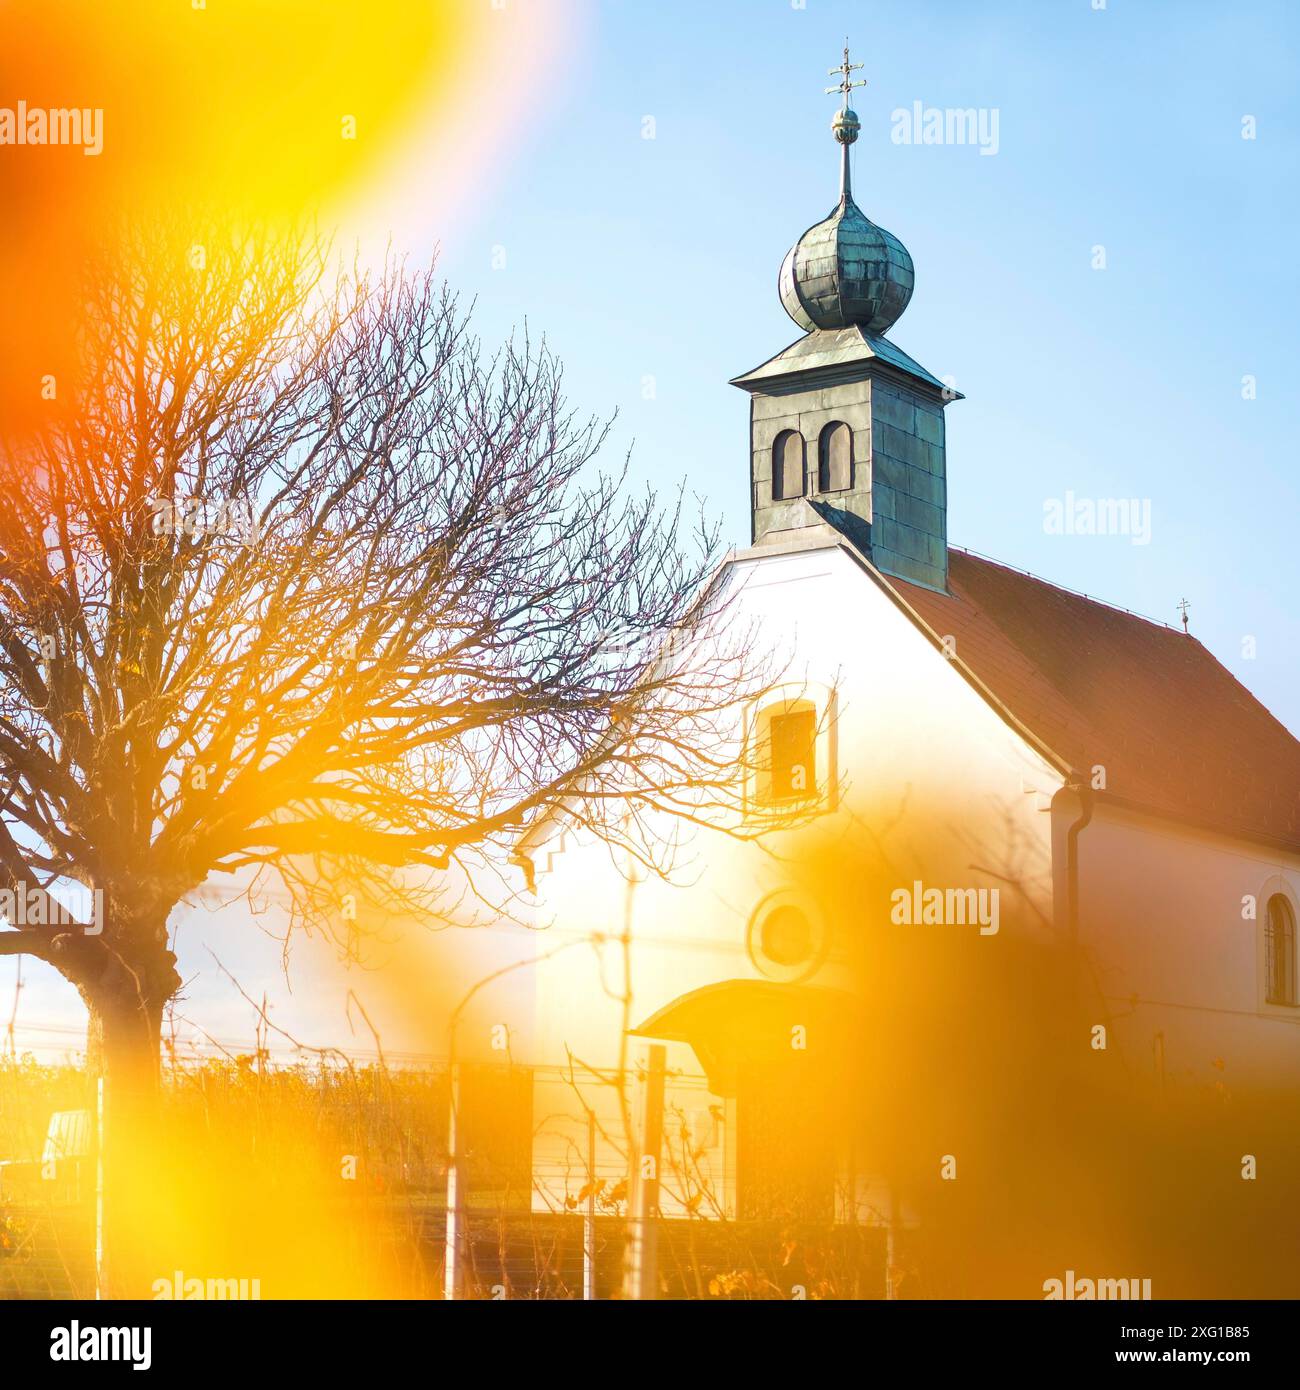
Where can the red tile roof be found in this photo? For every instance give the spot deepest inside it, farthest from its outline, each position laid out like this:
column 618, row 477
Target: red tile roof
column 1176, row 732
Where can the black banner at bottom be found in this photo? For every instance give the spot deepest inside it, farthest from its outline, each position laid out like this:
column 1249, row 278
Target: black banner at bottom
column 272, row 1337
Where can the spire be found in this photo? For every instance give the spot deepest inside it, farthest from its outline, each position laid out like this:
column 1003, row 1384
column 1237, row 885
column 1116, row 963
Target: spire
column 845, row 123
column 845, row 271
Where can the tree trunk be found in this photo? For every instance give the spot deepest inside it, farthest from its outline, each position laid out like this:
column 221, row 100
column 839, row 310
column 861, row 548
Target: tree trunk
column 123, row 1040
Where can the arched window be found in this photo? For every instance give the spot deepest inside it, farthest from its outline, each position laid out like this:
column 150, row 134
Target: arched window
column 787, row 466
column 1279, row 952
column 835, row 458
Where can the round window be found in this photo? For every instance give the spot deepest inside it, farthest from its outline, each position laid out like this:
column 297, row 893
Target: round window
column 787, row 940
column 786, row 936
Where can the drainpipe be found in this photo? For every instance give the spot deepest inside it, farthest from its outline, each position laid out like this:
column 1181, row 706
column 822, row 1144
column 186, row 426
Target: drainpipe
column 1084, row 792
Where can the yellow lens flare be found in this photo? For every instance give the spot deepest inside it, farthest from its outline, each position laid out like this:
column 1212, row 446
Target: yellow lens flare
column 245, row 109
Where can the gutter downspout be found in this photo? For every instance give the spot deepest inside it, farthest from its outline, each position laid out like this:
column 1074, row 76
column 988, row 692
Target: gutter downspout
column 1084, row 793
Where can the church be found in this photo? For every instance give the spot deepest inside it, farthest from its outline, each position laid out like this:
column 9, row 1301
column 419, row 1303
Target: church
column 1017, row 992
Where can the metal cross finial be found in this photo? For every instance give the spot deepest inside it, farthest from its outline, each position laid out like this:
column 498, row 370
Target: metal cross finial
column 845, row 125
column 844, row 71
column 1183, row 606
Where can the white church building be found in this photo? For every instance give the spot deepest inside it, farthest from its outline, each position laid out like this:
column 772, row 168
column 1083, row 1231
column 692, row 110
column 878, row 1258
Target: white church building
column 992, row 772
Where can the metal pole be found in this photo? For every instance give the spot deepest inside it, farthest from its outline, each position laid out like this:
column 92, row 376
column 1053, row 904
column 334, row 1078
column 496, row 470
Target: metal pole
column 589, row 1219
column 455, row 1222
column 891, row 1244
column 641, row 1272
column 99, row 1187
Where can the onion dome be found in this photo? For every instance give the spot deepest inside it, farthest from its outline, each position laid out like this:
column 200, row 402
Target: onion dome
column 846, row 270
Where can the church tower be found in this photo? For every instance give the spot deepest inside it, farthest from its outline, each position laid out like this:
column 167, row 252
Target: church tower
column 846, row 430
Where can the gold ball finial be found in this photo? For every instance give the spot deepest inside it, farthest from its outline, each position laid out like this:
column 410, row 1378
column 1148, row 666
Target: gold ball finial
column 845, row 125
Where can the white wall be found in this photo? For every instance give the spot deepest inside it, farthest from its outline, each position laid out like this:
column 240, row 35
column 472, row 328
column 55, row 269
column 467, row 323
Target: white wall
column 1161, row 916
column 926, row 768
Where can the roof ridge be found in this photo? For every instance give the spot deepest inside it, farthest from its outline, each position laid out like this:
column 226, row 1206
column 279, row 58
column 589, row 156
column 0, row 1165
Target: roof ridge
column 1074, row 593
column 1239, row 686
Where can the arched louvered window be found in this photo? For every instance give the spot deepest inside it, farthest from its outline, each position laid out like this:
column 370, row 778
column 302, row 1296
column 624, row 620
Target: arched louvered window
column 787, row 466
column 835, row 458
column 1279, row 952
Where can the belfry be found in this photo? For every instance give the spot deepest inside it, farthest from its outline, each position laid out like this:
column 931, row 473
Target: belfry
column 846, row 430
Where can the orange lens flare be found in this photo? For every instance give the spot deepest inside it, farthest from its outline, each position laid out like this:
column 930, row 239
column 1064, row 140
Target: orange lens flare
column 238, row 107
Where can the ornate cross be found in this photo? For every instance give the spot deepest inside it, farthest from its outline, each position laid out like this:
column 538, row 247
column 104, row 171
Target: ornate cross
column 845, row 71
column 1183, row 606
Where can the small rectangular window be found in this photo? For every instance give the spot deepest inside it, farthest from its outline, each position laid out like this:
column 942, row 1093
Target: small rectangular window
column 793, row 741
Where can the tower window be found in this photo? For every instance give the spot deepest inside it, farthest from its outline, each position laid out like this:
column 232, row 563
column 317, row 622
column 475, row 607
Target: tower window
column 835, row 458
column 1279, row 952
column 787, row 466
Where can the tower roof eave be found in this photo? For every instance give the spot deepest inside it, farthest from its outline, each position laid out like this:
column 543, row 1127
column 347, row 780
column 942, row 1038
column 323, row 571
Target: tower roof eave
column 827, row 352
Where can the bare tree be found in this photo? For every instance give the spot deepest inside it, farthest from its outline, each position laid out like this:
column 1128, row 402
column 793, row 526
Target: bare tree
column 296, row 580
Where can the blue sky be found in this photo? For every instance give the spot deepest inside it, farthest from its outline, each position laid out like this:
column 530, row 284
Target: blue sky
column 657, row 258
